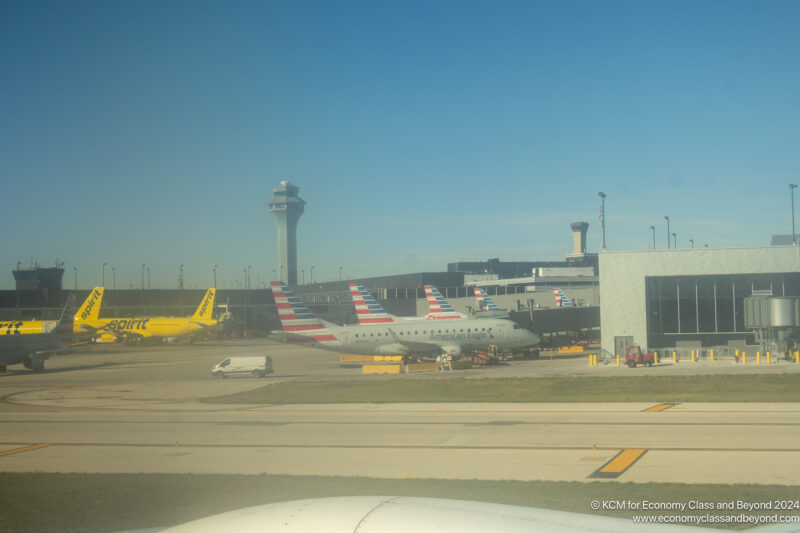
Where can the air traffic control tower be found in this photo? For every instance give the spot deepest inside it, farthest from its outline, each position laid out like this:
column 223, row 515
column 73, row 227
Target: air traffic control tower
column 286, row 208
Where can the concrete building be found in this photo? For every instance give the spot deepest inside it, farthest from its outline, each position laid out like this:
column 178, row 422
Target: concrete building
column 286, row 208
column 690, row 297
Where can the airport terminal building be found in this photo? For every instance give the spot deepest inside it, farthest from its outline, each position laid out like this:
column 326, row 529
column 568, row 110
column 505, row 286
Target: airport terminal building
column 662, row 299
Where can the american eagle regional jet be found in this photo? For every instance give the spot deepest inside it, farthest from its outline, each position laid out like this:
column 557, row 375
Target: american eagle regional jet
column 420, row 337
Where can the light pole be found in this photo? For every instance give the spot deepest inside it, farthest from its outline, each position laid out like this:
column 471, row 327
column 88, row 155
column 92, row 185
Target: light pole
column 148, row 278
column 274, row 275
column 303, row 271
column 143, row 265
column 312, row 273
column 76, row 277
column 792, row 187
column 114, row 276
column 675, row 243
column 654, row 236
column 602, row 196
column 180, row 285
column 667, row 219
column 246, row 272
column 691, row 241
column 340, row 273
column 104, row 275
column 215, row 275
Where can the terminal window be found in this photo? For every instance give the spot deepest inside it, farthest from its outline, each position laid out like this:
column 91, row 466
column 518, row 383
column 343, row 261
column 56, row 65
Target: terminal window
column 681, row 305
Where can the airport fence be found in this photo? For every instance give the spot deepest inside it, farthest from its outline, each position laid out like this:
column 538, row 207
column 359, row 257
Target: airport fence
column 736, row 354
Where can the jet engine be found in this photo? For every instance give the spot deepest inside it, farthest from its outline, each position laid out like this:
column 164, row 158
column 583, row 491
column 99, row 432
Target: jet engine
column 453, row 350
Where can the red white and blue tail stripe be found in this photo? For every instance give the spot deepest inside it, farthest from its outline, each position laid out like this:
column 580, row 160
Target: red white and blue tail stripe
column 561, row 298
column 295, row 316
column 485, row 303
column 368, row 310
column 439, row 307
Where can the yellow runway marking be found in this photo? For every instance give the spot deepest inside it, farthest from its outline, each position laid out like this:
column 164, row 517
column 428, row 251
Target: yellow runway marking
column 25, row 449
column 659, row 407
column 619, row 464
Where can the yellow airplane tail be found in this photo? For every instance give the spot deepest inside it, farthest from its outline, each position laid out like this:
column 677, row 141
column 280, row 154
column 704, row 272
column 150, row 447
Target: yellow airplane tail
column 205, row 310
column 90, row 310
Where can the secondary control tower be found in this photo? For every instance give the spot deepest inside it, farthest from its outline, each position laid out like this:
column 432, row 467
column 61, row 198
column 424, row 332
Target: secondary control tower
column 286, row 208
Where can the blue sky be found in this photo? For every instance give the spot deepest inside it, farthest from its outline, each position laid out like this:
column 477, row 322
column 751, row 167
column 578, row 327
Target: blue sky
column 420, row 133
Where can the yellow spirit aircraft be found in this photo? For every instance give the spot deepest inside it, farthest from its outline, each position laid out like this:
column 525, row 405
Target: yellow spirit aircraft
column 137, row 329
column 25, row 327
column 89, row 310
column 33, row 348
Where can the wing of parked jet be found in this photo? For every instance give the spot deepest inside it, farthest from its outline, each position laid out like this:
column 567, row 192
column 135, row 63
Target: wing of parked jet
column 416, row 346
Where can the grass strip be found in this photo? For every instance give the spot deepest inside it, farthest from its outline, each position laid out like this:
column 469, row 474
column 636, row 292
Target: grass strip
column 707, row 388
column 88, row 503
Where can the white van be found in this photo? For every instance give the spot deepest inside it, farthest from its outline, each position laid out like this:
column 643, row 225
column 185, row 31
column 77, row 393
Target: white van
column 258, row 366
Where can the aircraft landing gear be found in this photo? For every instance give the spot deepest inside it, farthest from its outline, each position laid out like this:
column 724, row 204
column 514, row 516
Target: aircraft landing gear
column 34, row 363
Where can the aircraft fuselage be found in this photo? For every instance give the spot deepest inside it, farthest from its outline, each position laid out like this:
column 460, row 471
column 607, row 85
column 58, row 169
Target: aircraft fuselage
column 426, row 337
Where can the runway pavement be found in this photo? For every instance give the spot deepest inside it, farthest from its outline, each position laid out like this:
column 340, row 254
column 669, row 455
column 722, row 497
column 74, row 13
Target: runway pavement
column 137, row 410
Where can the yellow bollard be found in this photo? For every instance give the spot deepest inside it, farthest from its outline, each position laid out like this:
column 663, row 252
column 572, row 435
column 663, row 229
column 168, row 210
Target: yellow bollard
column 655, row 358
column 674, row 357
column 591, row 362
column 797, row 357
column 767, row 357
column 758, row 358
column 744, row 358
column 692, row 356
column 712, row 354
column 617, row 359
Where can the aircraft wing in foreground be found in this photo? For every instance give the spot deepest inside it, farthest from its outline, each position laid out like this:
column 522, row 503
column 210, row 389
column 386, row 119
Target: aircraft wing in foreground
column 400, row 514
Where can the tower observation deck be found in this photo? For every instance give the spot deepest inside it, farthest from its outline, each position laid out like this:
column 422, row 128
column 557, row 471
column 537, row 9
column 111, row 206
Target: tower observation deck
column 286, row 208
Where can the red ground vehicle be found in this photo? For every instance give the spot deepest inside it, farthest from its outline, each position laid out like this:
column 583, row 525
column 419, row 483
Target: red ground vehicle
column 634, row 356
column 490, row 357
